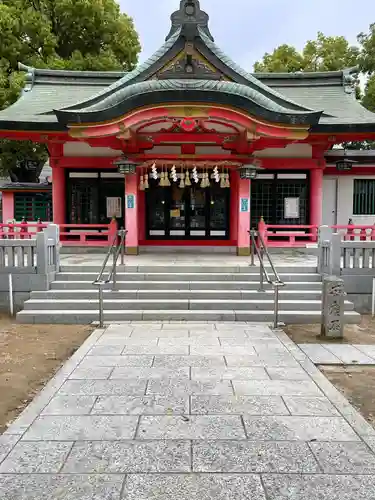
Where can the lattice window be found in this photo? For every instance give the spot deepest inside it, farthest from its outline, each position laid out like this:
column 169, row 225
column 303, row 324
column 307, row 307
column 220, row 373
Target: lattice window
column 262, row 202
column 33, row 206
column 84, row 203
column 291, row 189
column 364, row 197
column 268, row 200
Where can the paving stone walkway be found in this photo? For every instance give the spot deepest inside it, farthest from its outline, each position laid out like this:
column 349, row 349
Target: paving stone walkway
column 340, row 354
column 189, row 412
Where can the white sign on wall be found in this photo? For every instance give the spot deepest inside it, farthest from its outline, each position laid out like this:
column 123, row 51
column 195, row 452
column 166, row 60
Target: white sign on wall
column 291, row 208
column 114, row 207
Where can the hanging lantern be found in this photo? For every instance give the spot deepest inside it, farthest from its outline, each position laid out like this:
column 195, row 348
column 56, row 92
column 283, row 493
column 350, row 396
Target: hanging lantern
column 251, row 170
column 126, row 166
column 345, row 164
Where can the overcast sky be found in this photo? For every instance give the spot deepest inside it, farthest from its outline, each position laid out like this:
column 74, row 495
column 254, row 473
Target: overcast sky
column 246, row 29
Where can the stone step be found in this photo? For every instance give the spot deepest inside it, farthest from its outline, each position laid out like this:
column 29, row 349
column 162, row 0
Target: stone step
column 89, row 316
column 188, row 268
column 172, row 276
column 185, row 285
column 176, row 304
column 92, row 294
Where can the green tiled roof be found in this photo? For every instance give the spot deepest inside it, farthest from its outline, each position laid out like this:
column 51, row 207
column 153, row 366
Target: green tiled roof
column 203, row 89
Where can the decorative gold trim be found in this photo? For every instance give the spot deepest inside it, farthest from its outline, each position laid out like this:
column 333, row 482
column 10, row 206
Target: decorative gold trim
column 192, row 51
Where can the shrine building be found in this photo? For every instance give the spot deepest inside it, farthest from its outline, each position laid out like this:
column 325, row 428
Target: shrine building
column 189, row 149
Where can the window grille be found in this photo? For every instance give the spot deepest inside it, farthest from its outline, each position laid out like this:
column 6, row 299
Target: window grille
column 33, row 206
column 364, row 197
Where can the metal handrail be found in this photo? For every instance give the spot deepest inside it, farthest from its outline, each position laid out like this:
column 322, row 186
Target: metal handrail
column 260, row 251
column 116, row 248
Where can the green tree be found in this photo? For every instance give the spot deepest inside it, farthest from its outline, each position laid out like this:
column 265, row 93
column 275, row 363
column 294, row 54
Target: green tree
column 284, row 59
column 326, row 53
column 58, row 34
column 329, row 53
column 367, row 55
column 367, row 65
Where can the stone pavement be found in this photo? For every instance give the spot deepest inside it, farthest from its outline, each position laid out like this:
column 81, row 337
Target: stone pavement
column 340, row 354
column 226, row 411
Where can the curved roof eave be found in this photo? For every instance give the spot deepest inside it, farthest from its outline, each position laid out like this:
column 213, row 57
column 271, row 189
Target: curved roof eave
column 179, row 91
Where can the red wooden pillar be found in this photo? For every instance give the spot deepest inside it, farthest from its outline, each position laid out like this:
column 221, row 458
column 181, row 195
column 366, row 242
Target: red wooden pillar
column 243, row 237
column 316, row 196
column 8, row 206
column 131, row 214
column 58, row 195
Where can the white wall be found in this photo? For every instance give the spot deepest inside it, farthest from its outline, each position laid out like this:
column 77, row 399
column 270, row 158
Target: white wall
column 83, row 149
column 290, row 151
column 344, row 199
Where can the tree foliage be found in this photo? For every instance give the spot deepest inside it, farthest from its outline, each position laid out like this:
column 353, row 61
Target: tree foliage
column 367, row 56
column 59, row 34
column 326, row 53
column 330, row 53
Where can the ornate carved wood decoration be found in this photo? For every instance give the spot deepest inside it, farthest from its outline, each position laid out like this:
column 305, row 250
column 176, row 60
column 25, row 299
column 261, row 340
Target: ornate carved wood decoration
column 189, row 17
column 190, row 64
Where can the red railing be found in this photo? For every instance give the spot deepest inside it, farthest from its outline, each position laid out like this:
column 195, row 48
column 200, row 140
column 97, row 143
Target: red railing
column 88, row 234
column 287, row 235
column 96, row 235
column 353, row 232
column 21, row 231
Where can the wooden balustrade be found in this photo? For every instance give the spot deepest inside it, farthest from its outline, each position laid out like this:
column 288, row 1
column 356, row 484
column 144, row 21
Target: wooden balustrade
column 70, row 234
column 287, row 235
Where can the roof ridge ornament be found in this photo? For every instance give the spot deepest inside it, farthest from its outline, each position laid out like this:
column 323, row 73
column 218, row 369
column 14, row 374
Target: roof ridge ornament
column 188, row 18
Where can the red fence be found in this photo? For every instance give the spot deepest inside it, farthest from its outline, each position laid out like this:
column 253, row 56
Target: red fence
column 353, row 232
column 95, row 235
column 297, row 235
column 21, row 231
column 288, row 235
column 99, row 235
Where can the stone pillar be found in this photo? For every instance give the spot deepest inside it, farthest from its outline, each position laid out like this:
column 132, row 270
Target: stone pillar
column 131, row 214
column 8, row 207
column 316, row 196
column 243, row 237
column 59, row 199
column 332, row 325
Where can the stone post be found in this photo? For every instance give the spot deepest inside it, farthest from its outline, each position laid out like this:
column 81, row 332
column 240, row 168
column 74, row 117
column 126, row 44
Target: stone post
column 335, row 255
column 324, row 248
column 53, row 232
column 41, row 253
column 332, row 324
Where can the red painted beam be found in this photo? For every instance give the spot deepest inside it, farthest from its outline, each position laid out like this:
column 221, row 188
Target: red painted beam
column 370, row 170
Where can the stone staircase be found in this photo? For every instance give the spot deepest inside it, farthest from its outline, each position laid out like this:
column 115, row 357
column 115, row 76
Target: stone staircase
column 190, row 293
